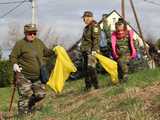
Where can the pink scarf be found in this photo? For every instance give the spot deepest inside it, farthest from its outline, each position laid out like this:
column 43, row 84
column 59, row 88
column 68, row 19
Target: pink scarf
column 114, row 49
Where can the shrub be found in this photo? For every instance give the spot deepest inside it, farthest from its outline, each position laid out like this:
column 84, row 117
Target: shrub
column 6, row 74
column 0, row 53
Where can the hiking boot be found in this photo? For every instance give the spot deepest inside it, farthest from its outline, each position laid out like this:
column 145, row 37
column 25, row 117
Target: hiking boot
column 21, row 115
column 96, row 87
column 39, row 105
column 87, row 89
column 121, row 81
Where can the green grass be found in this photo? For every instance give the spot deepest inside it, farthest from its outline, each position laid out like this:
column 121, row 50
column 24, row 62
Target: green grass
column 143, row 78
column 129, row 103
column 107, row 103
column 156, row 99
column 5, row 96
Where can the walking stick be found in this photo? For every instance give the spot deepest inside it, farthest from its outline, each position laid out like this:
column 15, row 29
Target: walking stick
column 16, row 79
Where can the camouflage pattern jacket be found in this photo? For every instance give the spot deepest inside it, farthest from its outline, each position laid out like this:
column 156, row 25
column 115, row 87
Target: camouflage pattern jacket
column 90, row 38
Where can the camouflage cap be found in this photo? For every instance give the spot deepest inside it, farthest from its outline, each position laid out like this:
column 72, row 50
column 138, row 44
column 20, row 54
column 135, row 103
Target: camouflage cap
column 87, row 14
column 30, row 28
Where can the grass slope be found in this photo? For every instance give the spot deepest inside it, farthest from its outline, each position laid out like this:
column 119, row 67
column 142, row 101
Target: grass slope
column 138, row 99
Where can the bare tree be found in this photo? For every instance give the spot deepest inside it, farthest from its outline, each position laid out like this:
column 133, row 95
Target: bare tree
column 49, row 36
column 14, row 34
column 150, row 38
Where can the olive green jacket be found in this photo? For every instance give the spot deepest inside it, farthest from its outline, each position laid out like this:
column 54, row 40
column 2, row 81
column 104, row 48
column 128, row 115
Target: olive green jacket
column 30, row 56
column 90, row 38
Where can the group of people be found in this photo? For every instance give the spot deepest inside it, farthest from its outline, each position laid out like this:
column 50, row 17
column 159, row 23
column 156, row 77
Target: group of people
column 120, row 42
column 28, row 55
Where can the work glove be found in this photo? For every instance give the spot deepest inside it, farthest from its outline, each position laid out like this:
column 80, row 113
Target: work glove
column 93, row 53
column 158, row 51
column 43, row 86
column 16, row 68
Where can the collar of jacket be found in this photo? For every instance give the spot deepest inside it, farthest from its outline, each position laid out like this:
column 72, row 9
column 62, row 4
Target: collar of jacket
column 29, row 41
column 92, row 23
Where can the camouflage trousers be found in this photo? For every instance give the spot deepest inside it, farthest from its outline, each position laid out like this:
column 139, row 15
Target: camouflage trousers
column 123, row 67
column 89, row 70
column 29, row 94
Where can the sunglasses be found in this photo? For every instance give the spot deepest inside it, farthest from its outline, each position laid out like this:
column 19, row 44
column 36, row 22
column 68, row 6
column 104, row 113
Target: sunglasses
column 31, row 33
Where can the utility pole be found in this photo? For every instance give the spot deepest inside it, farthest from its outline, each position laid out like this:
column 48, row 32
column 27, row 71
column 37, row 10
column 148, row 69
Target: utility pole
column 140, row 30
column 137, row 21
column 123, row 8
column 34, row 20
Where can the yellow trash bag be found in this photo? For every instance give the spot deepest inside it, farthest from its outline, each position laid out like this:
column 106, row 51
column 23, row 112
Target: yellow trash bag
column 63, row 68
column 110, row 66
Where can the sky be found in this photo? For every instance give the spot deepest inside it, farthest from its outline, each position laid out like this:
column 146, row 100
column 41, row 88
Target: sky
column 64, row 16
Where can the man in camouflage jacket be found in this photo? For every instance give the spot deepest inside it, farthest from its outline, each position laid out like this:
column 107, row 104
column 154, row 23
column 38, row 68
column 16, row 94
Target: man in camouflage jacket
column 89, row 46
column 26, row 57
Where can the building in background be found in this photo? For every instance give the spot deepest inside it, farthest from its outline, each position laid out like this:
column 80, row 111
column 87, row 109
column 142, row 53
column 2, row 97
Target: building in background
column 113, row 17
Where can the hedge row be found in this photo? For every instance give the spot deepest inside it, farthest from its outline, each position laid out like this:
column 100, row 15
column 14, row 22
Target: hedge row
column 6, row 73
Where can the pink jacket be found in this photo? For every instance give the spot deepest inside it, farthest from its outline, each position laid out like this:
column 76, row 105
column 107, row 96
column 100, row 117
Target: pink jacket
column 114, row 49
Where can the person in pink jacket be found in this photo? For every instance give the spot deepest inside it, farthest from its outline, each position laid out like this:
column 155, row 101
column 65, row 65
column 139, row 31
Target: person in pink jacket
column 123, row 49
